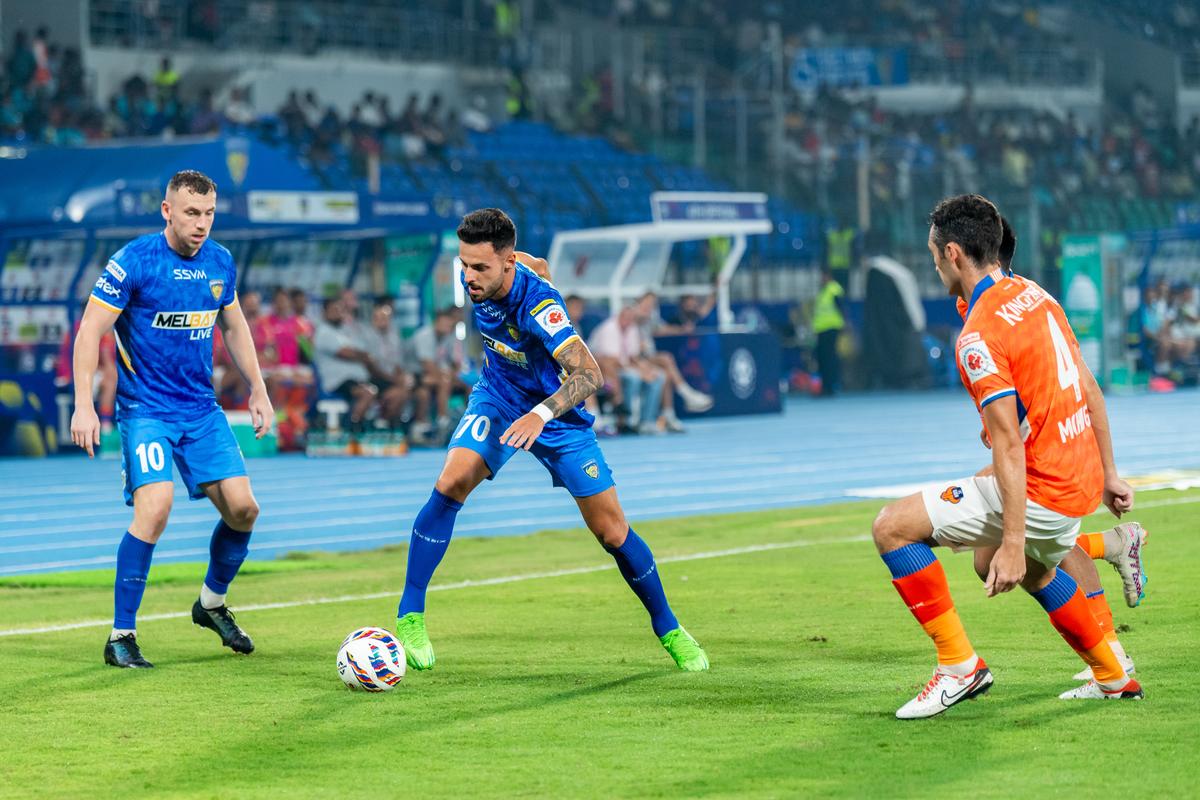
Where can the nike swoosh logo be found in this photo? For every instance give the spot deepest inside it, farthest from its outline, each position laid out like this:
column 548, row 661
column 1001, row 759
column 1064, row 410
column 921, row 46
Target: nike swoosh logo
column 950, row 699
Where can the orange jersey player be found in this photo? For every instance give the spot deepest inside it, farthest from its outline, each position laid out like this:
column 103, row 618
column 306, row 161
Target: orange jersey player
column 1051, row 465
column 1121, row 546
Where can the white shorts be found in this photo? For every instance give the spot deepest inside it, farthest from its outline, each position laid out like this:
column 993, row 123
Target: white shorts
column 966, row 514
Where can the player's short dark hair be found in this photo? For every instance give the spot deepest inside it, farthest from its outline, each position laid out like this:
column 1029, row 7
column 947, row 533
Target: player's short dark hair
column 489, row 225
column 1008, row 243
column 191, row 179
column 972, row 222
column 385, row 300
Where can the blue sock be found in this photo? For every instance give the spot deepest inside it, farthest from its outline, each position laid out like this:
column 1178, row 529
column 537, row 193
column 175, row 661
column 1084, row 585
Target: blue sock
column 430, row 537
column 1055, row 594
column 227, row 550
column 133, row 565
column 636, row 563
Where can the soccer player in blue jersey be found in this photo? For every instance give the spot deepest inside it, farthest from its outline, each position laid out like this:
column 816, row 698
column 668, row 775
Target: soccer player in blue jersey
column 536, row 374
column 163, row 293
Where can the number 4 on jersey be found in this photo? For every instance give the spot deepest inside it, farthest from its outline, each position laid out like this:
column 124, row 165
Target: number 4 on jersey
column 1068, row 371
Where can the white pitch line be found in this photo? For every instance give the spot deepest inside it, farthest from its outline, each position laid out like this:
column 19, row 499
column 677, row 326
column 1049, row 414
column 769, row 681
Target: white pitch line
column 445, row 587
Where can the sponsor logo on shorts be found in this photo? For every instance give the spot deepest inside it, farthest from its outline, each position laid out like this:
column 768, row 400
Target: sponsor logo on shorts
column 953, row 494
column 103, row 285
column 114, row 269
column 592, row 469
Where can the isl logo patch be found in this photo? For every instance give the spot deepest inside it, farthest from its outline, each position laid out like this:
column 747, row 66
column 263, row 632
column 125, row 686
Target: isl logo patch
column 216, row 286
column 953, row 494
column 592, row 469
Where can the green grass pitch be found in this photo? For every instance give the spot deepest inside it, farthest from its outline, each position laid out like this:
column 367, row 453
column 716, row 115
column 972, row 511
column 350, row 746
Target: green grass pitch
column 554, row 686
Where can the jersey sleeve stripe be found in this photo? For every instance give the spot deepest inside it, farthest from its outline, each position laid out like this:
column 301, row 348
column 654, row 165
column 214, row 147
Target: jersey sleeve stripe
column 123, row 354
column 997, row 395
column 94, row 299
column 572, row 338
column 548, row 301
column 233, row 302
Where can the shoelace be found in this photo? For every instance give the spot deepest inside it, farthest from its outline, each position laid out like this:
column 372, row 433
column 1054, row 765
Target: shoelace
column 937, row 675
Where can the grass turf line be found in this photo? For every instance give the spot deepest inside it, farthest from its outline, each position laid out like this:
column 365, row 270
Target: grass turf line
column 557, row 687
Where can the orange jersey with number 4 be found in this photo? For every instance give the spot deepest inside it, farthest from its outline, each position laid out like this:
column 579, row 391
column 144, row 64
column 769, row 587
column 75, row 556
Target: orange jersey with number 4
column 1016, row 342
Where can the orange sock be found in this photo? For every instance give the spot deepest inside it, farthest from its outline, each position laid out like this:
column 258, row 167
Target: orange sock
column 919, row 578
column 1103, row 615
column 1092, row 544
column 1072, row 617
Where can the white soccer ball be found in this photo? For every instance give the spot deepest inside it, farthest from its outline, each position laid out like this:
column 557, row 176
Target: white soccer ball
column 371, row 659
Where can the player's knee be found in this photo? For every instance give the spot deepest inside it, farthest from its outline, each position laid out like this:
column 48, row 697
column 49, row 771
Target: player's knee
column 983, row 562
column 456, row 487
column 152, row 522
column 611, row 532
column 244, row 513
column 885, row 530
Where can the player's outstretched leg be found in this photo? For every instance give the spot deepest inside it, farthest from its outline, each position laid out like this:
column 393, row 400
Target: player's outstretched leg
column 427, row 545
column 1121, row 546
column 1062, row 599
column 430, row 538
column 151, row 508
column 603, row 515
column 227, row 549
column 901, row 532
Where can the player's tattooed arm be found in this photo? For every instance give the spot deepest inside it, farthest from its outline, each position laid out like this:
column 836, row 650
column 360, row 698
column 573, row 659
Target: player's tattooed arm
column 583, row 379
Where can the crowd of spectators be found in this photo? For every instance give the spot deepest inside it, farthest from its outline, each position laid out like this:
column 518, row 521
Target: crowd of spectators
column 1132, row 153
column 349, row 352
column 1170, row 327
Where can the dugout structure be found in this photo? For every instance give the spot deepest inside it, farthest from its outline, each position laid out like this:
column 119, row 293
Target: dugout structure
column 619, row 263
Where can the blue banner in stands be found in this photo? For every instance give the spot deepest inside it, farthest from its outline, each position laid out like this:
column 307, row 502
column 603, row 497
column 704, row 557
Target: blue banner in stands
column 740, row 370
column 849, row 66
column 707, row 206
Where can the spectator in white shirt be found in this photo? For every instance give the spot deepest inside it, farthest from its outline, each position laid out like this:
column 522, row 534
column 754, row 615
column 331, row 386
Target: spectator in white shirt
column 636, row 384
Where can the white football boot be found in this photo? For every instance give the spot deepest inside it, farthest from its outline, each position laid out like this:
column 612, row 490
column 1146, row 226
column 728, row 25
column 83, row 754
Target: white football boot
column 1127, row 561
column 945, row 690
column 1094, row 691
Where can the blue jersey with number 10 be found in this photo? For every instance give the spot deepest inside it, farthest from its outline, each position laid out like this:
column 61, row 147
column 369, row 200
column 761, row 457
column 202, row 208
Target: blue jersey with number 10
column 523, row 332
column 168, row 306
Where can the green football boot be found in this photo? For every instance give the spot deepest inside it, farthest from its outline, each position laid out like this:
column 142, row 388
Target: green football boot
column 418, row 650
column 688, row 654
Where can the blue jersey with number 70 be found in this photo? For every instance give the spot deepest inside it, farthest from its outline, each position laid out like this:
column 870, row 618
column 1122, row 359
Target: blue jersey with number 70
column 523, row 333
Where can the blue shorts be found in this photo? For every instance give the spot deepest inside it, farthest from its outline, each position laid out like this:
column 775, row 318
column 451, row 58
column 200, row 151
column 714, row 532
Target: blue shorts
column 204, row 449
column 571, row 455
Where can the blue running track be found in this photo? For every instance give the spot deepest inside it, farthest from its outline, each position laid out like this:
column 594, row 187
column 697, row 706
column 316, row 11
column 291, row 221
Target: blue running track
column 67, row 513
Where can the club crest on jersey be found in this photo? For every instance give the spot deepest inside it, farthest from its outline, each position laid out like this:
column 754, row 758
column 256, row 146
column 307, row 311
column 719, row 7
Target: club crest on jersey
column 216, row 286
column 513, row 332
column 977, row 361
column 591, row 469
column 953, row 494
column 551, row 316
